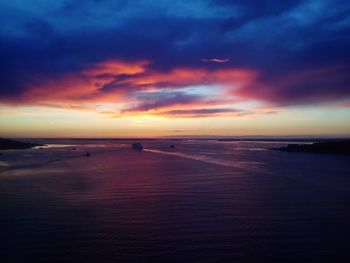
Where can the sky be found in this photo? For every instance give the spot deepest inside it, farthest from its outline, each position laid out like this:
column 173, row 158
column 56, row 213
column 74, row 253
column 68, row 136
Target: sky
column 140, row 68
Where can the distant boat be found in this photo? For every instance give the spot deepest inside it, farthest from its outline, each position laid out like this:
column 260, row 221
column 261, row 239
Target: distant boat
column 87, row 154
column 137, row 146
column 172, row 146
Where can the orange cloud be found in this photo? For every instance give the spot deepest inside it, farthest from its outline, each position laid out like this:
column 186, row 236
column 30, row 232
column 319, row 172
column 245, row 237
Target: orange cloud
column 119, row 82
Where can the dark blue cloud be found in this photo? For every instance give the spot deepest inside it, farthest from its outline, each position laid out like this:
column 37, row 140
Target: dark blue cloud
column 276, row 38
column 157, row 100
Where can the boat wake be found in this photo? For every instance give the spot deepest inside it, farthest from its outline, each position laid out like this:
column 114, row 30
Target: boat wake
column 251, row 166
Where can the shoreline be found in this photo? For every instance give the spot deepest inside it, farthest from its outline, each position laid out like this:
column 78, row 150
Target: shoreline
column 9, row 144
column 327, row 147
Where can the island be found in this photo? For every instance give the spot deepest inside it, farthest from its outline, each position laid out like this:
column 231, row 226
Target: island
column 326, row 147
column 8, row 144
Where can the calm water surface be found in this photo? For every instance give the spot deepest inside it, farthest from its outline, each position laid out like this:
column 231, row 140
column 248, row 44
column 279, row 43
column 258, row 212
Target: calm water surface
column 203, row 201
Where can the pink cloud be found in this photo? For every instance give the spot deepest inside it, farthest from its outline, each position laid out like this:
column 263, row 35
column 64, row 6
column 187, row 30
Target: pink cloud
column 116, row 81
column 216, row 60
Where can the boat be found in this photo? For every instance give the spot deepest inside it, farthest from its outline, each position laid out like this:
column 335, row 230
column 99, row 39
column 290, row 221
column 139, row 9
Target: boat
column 137, row 146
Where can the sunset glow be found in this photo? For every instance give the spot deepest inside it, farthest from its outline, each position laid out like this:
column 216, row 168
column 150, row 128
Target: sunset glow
column 115, row 80
column 174, row 131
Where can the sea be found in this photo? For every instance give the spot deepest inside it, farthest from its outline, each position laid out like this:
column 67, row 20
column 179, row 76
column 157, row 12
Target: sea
column 178, row 200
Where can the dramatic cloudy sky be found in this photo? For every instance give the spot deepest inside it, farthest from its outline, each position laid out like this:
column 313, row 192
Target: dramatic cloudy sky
column 114, row 68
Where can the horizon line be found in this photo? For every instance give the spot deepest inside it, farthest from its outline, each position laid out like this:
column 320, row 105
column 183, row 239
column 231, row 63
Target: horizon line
column 213, row 137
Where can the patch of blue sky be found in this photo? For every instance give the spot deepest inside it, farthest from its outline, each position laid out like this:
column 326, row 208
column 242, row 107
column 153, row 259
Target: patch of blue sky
column 203, row 90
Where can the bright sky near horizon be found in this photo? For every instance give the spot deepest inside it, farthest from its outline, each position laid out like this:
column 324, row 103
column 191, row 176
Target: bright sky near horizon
column 89, row 68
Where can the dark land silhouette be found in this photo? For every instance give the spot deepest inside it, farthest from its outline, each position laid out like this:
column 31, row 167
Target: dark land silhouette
column 328, row 147
column 7, row 144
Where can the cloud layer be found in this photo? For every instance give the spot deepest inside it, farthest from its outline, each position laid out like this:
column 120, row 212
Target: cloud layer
column 174, row 58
